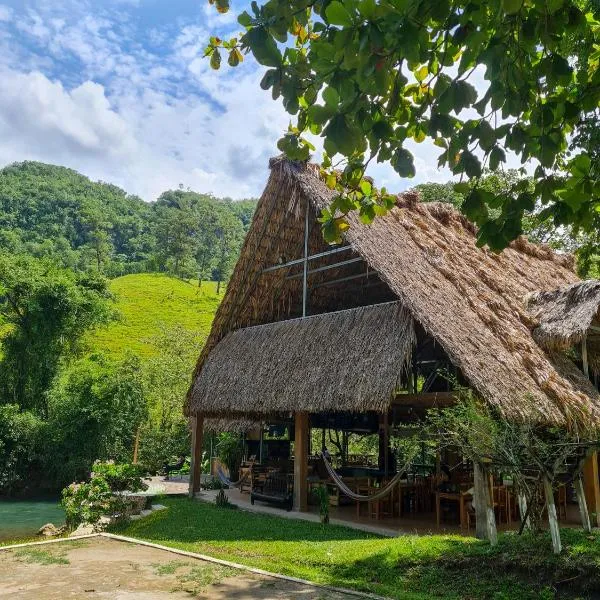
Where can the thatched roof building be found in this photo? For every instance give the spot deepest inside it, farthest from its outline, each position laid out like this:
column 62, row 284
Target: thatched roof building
column 420, row 258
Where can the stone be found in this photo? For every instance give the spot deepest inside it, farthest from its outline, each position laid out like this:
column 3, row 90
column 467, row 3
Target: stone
column 49, row 530
column 158, row 507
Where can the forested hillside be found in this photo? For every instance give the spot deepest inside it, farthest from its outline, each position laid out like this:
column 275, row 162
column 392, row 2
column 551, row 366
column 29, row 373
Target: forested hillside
column 105, row 302
column 52, row 211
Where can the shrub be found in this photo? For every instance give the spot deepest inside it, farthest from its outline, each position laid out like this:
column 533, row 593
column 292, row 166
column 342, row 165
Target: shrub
column 103, row 495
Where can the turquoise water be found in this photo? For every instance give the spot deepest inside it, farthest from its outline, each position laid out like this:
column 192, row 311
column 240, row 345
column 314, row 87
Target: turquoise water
column 22, row 518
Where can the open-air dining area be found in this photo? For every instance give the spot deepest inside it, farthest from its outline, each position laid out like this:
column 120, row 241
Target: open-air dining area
column 373, row 490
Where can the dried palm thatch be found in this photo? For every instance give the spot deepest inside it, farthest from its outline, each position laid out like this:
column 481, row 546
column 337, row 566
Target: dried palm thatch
column 348, row 360
column 564, row 314
column 468, row 299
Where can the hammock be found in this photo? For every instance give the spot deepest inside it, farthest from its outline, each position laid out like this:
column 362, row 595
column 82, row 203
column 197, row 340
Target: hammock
column 384, row 491
column 226, row 481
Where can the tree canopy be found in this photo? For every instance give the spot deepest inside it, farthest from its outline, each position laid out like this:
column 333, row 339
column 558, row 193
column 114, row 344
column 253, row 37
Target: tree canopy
column 372, row 76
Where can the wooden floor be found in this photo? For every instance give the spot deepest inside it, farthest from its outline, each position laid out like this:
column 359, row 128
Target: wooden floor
column 422, row 524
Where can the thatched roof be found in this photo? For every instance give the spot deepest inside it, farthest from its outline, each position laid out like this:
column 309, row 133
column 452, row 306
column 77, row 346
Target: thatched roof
column 348, row 360
column 564, row 314
column 469, row 299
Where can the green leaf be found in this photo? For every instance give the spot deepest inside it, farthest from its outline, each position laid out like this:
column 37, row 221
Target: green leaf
column 235, row 58
column 331, row 97
column 497, row 156
column 403, row 163
column 365, row 187
column 344, row 137
column 336, row 14
column 263, row 47
column 245, row 20
column 215, row 59
column 580, row 166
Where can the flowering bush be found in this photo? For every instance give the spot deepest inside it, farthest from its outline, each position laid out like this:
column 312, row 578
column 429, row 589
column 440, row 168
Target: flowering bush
column 103, row 495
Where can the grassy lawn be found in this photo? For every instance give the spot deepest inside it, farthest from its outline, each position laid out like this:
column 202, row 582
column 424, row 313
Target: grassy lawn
column 148, row 301
column 409, row 567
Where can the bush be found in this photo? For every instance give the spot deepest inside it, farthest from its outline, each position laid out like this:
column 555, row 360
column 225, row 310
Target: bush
column 20, row 432
column 160, row 446
column 102, row 496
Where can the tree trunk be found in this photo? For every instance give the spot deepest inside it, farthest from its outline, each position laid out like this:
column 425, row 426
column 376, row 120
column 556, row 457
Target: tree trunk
column 552, row 518
column 582, row 502
column 485, row 520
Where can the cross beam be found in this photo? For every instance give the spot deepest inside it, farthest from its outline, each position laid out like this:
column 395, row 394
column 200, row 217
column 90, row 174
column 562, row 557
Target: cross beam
column 299, row 261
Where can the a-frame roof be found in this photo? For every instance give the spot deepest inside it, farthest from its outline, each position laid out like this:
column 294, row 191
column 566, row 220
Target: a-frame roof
column 469, row 299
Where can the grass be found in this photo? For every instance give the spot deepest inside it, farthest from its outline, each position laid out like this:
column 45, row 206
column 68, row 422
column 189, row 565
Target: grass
column 409, row 567
column 148, row 301
column 42, row 557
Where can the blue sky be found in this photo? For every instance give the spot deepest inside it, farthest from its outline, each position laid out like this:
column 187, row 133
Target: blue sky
column 119, row 90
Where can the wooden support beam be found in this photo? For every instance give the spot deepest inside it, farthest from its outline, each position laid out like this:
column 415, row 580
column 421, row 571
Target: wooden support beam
column 583, row 509
column 591, row 484
column 584, row 356
column 485, row 520
column 196, row 466
column 552, row 518
column 301, row 461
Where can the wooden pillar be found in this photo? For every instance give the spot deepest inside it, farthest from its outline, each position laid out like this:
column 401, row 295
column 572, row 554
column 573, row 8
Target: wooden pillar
column 485, row 520
column 552, row 518
column 301, row 461
column 196, row 466
column 591, row 483
column 581, row 501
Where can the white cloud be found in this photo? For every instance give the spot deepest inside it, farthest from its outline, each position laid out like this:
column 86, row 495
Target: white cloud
column 6, row 13
column 40, row 119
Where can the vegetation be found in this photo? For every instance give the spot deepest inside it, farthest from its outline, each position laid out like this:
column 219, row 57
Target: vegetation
column 54, row 212
column 102, row 495
column 372, row 77
column 93, row 368
column 148, row 305
column 410, row 566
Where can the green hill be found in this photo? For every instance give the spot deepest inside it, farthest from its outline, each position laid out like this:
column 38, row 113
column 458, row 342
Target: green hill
column 146, row 302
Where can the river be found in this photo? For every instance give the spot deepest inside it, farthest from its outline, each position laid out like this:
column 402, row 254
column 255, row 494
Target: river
column 22, row 518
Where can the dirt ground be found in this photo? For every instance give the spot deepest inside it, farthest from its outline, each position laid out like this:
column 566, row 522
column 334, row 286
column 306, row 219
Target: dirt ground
column 101, row 568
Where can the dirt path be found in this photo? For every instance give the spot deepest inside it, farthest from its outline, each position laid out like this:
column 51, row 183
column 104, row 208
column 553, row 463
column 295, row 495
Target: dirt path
column 101, row 568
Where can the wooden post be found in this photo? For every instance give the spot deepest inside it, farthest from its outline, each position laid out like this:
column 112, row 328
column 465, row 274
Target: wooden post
column 591, row 483
column 485, row 520
column 301, row 461
column 583, row 509
column 196, row 466
column 552, row 518
column 584, row 356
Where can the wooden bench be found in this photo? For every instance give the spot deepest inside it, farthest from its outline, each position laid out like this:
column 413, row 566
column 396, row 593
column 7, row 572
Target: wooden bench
column 278, row 488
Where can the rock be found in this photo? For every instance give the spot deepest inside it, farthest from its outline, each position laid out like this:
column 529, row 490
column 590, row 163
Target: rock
column 49, row 530
column 83, row 530
column 158, row 507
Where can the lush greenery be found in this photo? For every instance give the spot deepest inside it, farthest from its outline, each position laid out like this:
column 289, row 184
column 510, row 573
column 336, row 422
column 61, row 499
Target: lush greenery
column 148, row 305
column 371, row 77
column 93, row 368
column 102, row 496
column 415, row 567
column 52, row 211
